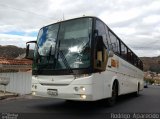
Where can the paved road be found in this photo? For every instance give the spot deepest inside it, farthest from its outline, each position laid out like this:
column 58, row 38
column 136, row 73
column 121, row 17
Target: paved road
column 147, row 102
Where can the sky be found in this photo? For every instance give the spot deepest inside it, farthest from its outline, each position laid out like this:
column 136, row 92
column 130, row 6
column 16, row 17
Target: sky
column 136, row 22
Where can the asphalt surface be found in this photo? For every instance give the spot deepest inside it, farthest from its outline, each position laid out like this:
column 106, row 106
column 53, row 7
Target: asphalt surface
column 147, row 102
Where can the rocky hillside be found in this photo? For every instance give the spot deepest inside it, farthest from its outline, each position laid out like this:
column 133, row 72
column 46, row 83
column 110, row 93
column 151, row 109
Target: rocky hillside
column 11, row 51
column 151, row 64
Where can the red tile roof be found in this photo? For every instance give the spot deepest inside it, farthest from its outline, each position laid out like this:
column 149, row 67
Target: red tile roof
column 15, row 61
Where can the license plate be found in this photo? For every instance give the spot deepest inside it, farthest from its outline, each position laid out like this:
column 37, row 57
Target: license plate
column 52, row 92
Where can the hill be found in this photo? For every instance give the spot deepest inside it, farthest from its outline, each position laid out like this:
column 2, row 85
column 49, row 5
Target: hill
column 11, row 51
column 151, row 64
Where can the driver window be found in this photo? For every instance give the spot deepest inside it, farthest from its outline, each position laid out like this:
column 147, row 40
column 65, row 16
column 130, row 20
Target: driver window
column 100, row 27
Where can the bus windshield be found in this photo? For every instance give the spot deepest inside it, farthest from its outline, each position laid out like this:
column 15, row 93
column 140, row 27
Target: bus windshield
column 64, row 45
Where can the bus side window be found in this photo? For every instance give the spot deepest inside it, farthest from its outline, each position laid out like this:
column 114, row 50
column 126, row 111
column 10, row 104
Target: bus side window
column 101, row 44
column 135, row 60
column 123, row 51
column 100, row 27
column 114, row 44
column 129, row 55
column 107, row 35
column 139, row 64
column 132, row 58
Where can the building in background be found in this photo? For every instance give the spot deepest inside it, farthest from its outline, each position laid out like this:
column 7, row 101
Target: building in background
column 19, row 73
column 15, row 65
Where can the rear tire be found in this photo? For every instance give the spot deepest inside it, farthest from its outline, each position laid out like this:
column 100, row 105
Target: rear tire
column 111, row 101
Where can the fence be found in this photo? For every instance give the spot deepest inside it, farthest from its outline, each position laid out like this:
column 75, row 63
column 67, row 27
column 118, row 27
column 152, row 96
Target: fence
column 20, row 82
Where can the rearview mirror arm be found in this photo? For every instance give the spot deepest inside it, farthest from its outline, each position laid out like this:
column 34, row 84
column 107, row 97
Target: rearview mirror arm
column 31, row 42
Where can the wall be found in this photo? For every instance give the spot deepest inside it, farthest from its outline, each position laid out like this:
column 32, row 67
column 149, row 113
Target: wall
column 20, row 82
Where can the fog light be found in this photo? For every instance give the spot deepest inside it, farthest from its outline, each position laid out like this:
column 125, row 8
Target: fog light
column 82, row 88
column 83, row 96
column 76, row 88
column 33, row 93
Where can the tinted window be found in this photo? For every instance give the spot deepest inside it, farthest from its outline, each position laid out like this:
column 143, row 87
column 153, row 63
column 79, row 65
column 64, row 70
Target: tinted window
column 123, row 51
column 107, row 33
column 129, row 55
column 101, row 31
column 136, row 61
column 114, row 45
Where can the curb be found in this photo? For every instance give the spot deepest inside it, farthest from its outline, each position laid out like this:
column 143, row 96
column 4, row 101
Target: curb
column 8, row 96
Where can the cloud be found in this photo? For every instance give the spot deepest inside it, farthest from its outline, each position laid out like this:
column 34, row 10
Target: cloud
column 136, row 22
column 152, row 19
column 17, row 40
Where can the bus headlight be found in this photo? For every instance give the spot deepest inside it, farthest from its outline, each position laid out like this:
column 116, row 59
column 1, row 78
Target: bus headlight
column 76, row 89
column 33, row 93
column 83, row 96
column 82, row 88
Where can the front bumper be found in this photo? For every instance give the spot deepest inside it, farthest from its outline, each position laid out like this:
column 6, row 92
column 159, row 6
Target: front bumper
column 69, row 92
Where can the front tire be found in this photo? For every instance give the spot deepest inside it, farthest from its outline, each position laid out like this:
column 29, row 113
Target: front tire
column 111, row 101
column 138, row 89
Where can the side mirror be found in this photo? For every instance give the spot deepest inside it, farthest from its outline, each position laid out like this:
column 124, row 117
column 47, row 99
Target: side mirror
column 30, row 49
column 27, row 51
column 111, row 53
column 99, row 50
column 100, row 57
column 99, row 43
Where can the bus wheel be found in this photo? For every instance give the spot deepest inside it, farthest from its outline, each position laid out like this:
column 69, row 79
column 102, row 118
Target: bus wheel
column 69, row 101
column 111, row 101
column 138, row 89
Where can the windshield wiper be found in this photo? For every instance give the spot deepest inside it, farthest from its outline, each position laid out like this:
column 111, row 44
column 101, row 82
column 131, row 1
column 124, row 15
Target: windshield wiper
column 65, row 61
column 49, row 55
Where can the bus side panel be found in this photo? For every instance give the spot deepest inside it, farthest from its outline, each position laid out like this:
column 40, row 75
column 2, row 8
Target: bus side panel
column 127, row 75
column 108, row 82
column 98, row 86
column 103, row 82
